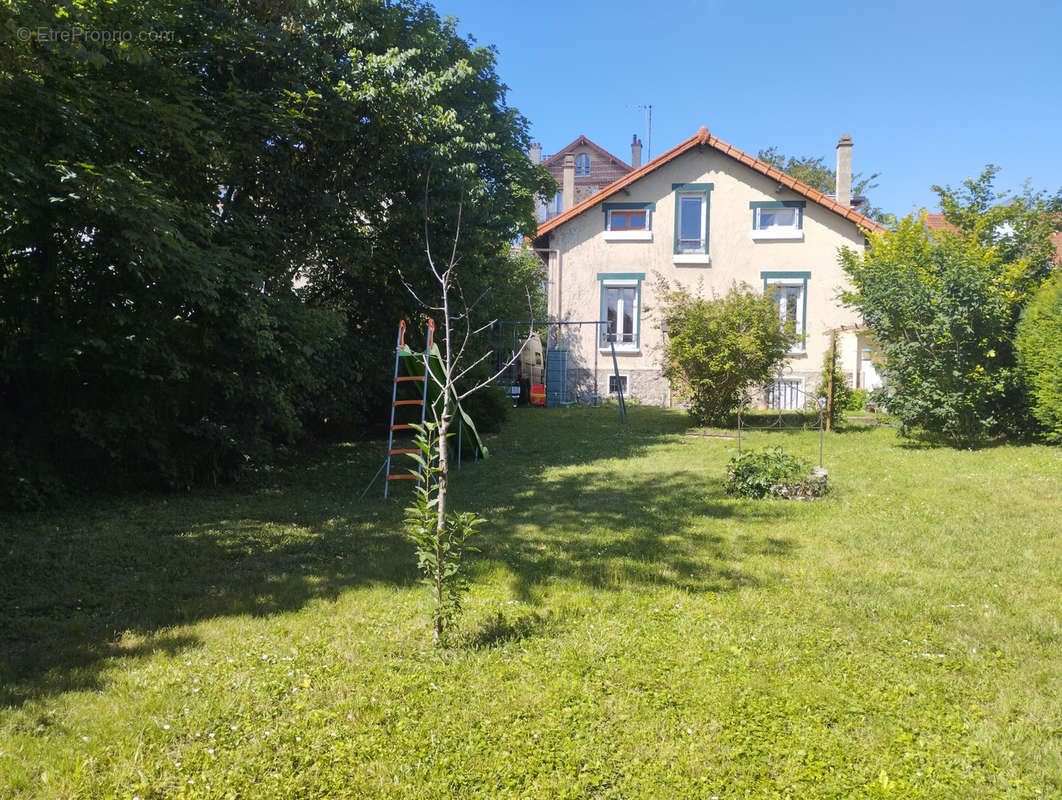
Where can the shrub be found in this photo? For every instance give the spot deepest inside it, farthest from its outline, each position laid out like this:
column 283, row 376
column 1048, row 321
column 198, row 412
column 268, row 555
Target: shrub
column 773, row 473
column 1039, row 345
column 441, row 542
column 716, row 347
column 842, row 391
column 857, row 400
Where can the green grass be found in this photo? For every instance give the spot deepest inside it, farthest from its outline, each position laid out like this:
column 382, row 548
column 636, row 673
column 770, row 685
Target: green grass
column 632, row 631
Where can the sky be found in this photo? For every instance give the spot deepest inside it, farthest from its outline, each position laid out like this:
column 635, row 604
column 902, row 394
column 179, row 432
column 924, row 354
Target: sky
column 930, row 92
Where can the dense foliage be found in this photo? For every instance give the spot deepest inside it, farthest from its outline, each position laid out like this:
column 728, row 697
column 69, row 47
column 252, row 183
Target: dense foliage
column 1039, row 344
column 209, row 226
column 773, row 473
column 841, row 388
column 716, row 347
column 944, row 305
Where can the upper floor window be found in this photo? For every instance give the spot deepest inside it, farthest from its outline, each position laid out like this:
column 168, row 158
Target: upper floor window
column 691, row 222
column 776, row 219
column 628, row 221
column 582, row 165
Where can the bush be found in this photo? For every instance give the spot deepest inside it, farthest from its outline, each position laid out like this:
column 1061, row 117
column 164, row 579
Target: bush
column 715, row 348
column 773, row 473
column 1039, row 345
column 857, row 401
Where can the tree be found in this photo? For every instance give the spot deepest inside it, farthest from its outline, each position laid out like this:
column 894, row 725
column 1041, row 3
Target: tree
column 441, row 536
column 834, row 387
column 1039, row 346
column 813, row 171
column 716, row 347
column 944, row 305
column 162, row 198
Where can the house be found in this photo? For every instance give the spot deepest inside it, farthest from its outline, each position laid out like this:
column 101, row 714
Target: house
column 581, row 169
column 703, row 213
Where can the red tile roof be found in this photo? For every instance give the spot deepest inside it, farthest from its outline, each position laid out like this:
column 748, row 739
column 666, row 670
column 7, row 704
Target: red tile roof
column 580, row 141
column 937, row 222
column 704, row 139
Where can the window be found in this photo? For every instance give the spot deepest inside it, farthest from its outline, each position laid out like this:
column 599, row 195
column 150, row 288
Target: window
column 778, row 219
column 789, row 290
column 784, row 395
column 582, row 165
column 691, row 222
column 620, row 297
column 628, row 221
column 612, row 386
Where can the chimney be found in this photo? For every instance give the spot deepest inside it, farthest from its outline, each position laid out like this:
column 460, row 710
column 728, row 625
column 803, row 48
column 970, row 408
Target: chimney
column 568, row 184
column 636, row 152
column 535, row 153
column 843, row 193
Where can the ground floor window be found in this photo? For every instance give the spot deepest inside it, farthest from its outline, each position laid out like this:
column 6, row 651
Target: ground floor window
column 790, row 293
column 785, row 396
column 620, row 300
column 620, row 385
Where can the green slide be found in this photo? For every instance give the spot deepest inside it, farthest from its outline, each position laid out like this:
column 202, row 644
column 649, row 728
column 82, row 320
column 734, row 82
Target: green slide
column 414, row 366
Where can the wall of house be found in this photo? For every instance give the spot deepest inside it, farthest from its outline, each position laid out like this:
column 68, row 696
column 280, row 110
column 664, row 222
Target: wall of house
column 575, row 287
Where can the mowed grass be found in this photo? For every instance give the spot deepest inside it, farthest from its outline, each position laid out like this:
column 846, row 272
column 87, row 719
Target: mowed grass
column 632, row 632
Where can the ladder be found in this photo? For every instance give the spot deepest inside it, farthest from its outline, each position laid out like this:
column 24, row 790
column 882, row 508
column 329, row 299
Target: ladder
column 396, row 403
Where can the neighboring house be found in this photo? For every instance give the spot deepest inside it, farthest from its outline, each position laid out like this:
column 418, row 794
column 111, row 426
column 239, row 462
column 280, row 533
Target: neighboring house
column 581, row 169
column 703, row 213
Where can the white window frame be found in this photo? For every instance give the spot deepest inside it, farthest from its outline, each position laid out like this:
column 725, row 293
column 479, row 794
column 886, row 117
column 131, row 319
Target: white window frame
column 702, row 242
column 580, row 171
column 800, row 284
column 621, row 283
column 794, row 232
column 779, row 391
column 699, row 255
column 624, row 382
column 626, row 235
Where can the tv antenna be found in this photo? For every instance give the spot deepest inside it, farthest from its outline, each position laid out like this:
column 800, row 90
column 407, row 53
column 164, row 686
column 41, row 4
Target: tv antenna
column 648, row 109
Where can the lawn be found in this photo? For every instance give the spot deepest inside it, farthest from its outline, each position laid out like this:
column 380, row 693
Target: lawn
column 632, row 632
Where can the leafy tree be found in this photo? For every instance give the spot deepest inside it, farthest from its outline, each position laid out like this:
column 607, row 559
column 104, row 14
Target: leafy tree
column 813, row 171
column 716, row 347
column 1039, row 345
column 161, row 198
column 944, row 306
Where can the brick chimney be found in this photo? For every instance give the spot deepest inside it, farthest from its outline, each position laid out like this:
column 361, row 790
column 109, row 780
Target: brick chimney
column 636, row 152
column 568, row 184
column 843, row 193
column 535, row 153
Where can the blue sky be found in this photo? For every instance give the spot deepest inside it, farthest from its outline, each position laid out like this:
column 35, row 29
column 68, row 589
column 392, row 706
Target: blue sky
column 930, row 91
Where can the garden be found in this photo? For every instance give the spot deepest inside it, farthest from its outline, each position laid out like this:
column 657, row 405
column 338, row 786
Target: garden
column 631, row 630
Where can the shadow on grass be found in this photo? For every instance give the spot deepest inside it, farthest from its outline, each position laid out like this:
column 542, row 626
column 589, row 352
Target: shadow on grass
column 110, row 580
column 594, row 520
column 499, row 628
column 83, row 588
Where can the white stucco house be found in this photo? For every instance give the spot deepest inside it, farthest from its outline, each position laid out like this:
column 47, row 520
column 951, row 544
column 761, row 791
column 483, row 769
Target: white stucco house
column 703, row 213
